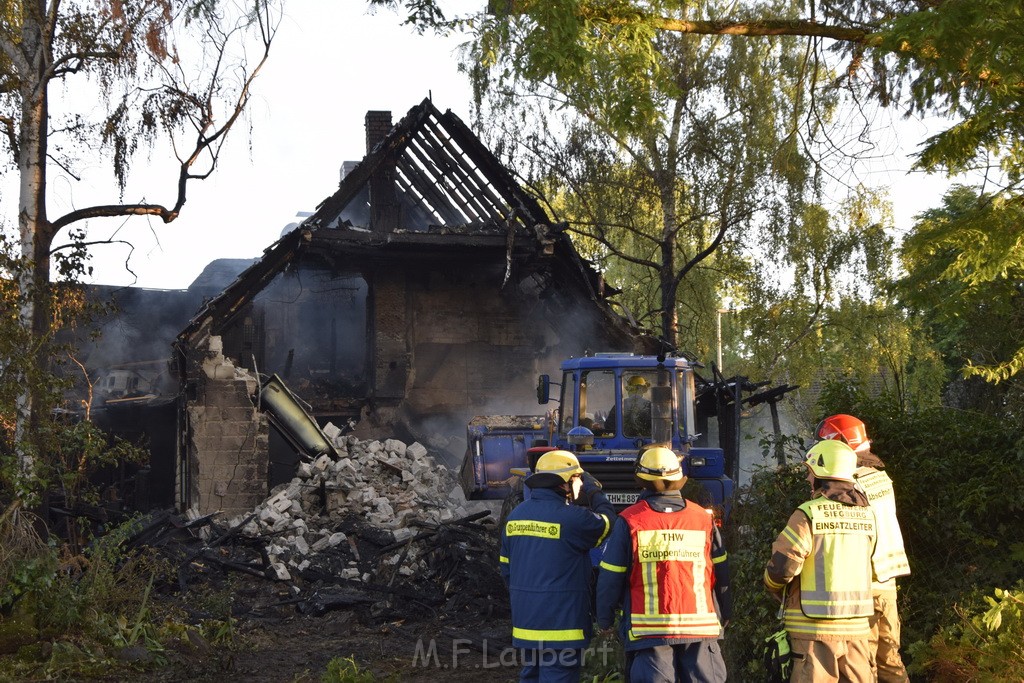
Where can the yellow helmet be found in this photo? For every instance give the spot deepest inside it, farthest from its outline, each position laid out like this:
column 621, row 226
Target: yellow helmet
column 832, row 459
column 554, row 468
column 659, row 463
column 637, row 382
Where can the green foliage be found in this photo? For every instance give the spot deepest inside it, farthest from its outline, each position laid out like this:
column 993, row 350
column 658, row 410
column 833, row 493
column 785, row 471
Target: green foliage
column 64, row 452
column 664, row 152
column 88, row 604
column 964, row 263
column 347, row 670
column 103, row 580
column 132, row 86
column 27, row 563
column 603, row 661
column 836, row 318
column 963, row 58
column 219, row 631
column 983, row 644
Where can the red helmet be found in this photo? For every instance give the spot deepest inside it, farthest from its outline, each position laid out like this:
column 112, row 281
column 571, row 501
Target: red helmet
column 845, row 428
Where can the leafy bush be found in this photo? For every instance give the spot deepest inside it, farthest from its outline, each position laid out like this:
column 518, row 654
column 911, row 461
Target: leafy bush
column 958, row 477
column 105, row 580
column 27, row 563
column 603, row 661
column 759, row 515
column 985, row 644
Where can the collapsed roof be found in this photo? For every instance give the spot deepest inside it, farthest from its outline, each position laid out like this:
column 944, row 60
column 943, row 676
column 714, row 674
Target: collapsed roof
column 428, row 187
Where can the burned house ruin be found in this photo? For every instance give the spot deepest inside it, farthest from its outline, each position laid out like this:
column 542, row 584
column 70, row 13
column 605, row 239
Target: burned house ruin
column 429, row 288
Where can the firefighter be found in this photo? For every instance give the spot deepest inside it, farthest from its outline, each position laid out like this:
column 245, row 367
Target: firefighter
column 890, row 555
column 666, row 565
column 636, row 409
column 821, row 569
column 545, row 560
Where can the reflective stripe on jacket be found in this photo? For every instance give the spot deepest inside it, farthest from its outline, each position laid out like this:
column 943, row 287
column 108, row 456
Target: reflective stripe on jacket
column 672, row 574
column 794, row 553
column 836, row 579
column 890, row 558
column 545, row 559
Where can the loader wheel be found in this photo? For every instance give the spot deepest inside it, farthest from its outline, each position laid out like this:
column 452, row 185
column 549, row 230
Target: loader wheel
column 514, row 498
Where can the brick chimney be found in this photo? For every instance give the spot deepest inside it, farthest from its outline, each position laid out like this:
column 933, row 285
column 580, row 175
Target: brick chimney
column 378, row 124
column 384, row 209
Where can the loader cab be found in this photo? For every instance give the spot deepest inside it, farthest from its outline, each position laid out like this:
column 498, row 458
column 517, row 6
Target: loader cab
column 620, row 403
column 627, row 401
column 591, row 419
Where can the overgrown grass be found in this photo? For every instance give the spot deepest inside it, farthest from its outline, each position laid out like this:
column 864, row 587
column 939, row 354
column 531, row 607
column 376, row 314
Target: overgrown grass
column 90, row 614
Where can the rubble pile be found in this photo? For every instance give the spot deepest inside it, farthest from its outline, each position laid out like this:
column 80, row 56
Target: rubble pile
column 381, row 522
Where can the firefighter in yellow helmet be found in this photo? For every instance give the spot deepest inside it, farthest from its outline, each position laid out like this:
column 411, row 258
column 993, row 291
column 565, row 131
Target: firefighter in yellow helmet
column 636, row 409
column 890, row 555
column 545, row 560
column 821, row 569
column 665, row 564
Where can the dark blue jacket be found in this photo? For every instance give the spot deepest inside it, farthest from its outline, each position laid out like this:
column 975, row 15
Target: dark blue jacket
column 612, row 586
column 545, row 561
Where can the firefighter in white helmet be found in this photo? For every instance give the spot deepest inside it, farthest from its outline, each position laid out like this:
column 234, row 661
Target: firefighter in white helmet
column 821, row 569
column 545, row 560
column 890, row 556
column 665, row 564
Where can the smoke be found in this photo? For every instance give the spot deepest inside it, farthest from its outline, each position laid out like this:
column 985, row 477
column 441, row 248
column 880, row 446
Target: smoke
column 310, row 327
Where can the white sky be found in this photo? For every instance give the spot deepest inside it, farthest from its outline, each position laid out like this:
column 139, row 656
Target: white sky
column 331, row 62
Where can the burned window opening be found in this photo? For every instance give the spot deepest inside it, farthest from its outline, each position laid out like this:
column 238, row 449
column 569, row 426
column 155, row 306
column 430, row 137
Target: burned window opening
column 308, row 326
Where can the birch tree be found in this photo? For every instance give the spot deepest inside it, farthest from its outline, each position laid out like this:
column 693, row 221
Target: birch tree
column 161, row 70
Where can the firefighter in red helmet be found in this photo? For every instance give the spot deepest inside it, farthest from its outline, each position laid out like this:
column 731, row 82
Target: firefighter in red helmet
column 890, row 556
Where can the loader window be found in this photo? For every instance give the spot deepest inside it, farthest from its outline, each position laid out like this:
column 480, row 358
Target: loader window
column 596, row 396
column 567, row 406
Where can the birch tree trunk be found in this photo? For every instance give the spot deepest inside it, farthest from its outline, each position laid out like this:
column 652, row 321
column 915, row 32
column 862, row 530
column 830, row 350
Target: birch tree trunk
column 36, row 235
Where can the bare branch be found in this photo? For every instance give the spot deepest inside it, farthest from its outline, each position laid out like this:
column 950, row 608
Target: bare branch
column 617, row 251
column 76, row 245
column 112, row 210
column 207, row 143
column 87, row 401
column 63, row 166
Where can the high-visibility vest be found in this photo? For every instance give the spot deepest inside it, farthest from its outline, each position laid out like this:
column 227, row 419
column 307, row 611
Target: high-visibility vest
column 835, row 582
column 890, row 557
column 672, row 575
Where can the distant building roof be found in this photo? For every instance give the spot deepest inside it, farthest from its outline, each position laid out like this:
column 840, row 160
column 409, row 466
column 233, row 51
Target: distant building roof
column 220, row 273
